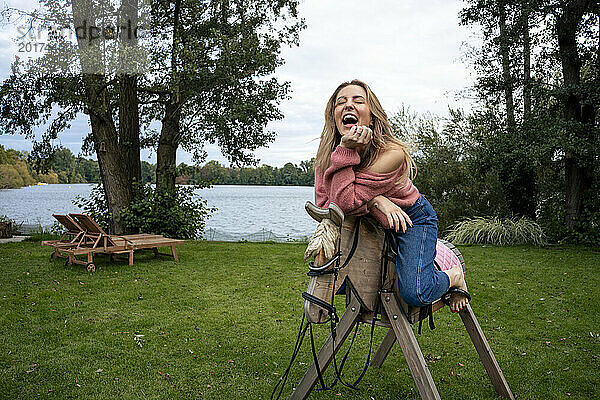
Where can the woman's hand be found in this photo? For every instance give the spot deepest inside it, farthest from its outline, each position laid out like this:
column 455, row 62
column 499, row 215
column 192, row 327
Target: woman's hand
column 358, row 137
column 395, row 215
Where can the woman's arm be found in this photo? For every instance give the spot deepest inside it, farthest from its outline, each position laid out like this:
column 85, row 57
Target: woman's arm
column 341, row 183
column 388, row 210
column 321, row 199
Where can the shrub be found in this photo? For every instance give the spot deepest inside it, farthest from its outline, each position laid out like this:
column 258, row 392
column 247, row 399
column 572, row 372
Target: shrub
column 493, row 230
column 588, row 228
column 180, row 214
column 551, row 216
column 6, row 227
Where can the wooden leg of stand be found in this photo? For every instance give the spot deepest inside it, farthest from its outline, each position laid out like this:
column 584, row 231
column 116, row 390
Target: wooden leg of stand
column 347, row 322
column 485, row 352
column 384, row 349
column 410, row 347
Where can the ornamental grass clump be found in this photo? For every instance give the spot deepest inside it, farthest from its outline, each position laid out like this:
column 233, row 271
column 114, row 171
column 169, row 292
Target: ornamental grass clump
column 494, row 230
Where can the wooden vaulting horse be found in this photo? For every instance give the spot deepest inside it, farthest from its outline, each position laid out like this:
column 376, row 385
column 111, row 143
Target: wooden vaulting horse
column 354, row 252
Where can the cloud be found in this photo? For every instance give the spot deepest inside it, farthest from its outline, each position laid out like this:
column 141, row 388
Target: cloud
column 408, row 52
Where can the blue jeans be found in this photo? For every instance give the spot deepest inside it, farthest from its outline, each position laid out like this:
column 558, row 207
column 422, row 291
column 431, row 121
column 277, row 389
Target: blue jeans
column 418, row 280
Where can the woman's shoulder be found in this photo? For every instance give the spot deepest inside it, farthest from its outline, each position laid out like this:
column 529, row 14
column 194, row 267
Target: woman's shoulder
column 388, row 161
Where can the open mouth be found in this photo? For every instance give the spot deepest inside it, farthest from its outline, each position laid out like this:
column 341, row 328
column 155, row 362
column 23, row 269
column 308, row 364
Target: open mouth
column 349, row 120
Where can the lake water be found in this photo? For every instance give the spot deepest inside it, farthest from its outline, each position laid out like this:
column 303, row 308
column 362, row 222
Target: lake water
column 253, row 213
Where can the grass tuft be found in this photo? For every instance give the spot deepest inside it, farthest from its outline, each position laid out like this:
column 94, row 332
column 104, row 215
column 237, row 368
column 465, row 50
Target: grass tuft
column 493, row 230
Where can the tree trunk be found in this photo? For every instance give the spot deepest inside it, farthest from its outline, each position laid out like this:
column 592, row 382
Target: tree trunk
column 517, row 173
column 576, row 178
column 114, row 156
column 129, row 126
column 129, row 120
column 167, row 149
column 527, row 169
column 506, row 74
column 6, row 229
column 169, row 134
column 526, row 66
column 112, row 166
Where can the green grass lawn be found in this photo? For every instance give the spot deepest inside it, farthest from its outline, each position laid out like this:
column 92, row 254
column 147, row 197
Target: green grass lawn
column 221, row 323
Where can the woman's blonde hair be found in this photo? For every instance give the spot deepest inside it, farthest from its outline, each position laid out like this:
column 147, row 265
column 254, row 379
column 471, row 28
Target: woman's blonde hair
column 383, row 136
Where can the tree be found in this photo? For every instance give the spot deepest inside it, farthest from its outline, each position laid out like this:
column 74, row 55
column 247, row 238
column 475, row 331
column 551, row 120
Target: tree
column 307, row 176
column 88, row 169
column 505, row 28
column 63, row 163
column 214, row 88
column 148, row 172
column 78, row 79
column 579, row 107
column 446, row 173
column 214, row 172
column 553, row 73
column 200, row 69
column 290, row 174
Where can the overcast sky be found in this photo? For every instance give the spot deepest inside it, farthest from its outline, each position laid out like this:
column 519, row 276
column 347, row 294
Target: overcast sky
column 410, row 52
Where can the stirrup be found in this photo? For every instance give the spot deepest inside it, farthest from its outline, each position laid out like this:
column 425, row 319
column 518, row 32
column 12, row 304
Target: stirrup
column 446, row 297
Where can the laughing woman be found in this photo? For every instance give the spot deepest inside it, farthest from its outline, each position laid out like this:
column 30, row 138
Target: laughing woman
column 364, row 169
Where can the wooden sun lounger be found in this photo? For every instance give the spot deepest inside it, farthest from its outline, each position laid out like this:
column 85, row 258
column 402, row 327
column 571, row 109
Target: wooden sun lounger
column 95, row 241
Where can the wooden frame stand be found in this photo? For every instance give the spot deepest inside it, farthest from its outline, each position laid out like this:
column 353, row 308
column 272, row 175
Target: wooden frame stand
column 400, row 331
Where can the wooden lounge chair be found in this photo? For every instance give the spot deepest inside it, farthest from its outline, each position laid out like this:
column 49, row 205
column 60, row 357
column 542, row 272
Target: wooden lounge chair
column 95, row 241
column 71, row 238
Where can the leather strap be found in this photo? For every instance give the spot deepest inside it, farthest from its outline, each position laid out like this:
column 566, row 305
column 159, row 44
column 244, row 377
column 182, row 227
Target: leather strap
column 320, row 303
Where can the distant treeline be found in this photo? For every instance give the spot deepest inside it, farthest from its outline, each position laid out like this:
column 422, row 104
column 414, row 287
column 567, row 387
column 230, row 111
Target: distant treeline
column 17, row 170
column 215, row 173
